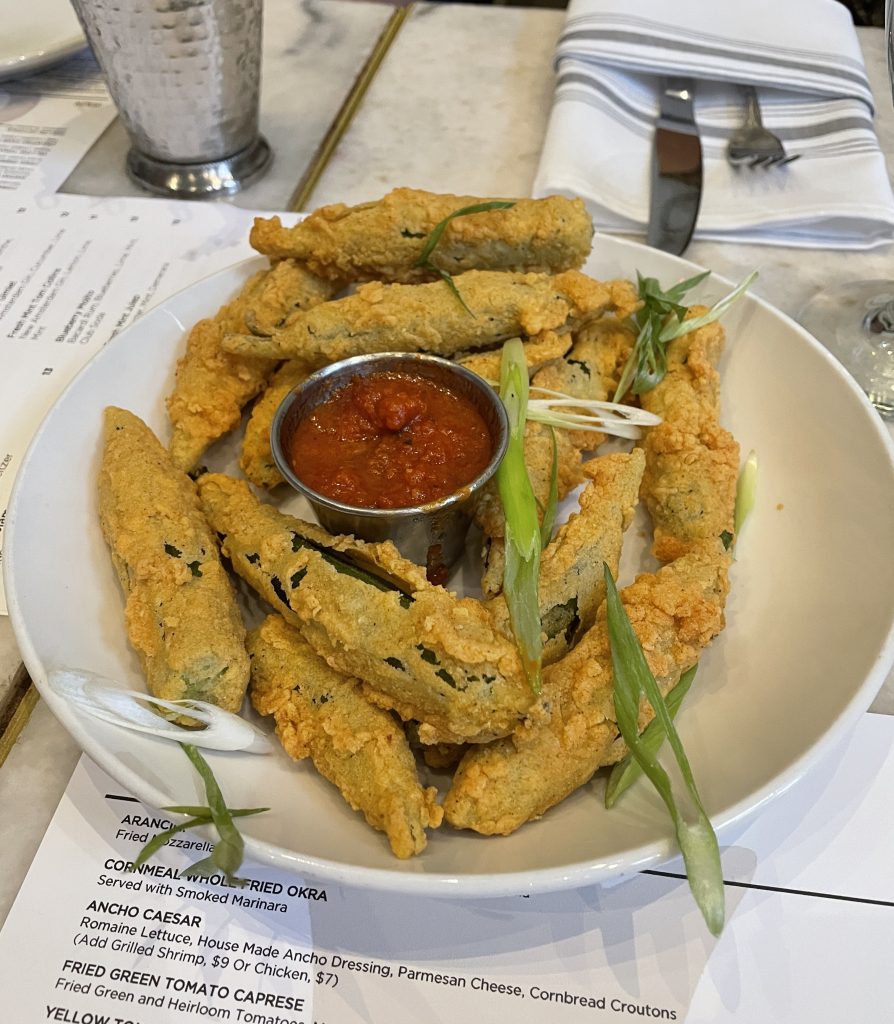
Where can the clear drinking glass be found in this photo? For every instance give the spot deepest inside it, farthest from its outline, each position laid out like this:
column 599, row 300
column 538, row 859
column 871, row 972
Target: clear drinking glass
column 855, row 320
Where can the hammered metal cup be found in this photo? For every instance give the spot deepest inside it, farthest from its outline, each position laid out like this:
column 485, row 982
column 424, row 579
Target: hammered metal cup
column 432, row 535
column 184, row 75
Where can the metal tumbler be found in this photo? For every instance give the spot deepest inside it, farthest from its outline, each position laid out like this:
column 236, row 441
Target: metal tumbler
column 184, row 75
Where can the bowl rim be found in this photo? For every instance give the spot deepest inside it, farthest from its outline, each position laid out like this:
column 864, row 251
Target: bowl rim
column 417, row 877
column 344, row 366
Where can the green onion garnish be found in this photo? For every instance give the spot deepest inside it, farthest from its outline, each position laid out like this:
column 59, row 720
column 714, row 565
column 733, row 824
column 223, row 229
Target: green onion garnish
column 558, row 409
column 424, row 259
column 632, row 680
column 227, row 853
column 626, row 772
column 523, row 540
column 660, row 320
column 552, row 499
column 746, row 491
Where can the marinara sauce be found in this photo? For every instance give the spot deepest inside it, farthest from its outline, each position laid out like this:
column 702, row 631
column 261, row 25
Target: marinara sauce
column 390, row 440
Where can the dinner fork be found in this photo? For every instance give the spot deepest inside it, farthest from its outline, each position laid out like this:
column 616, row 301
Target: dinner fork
column 753, row 144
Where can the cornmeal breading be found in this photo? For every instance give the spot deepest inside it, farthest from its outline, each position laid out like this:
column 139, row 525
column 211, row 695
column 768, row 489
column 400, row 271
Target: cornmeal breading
column 538, row 351
column 383, row 240
column 256, row 458
column 590, row 370
column 361, row 749
column 572, row 584
column 571, row 731
column 211, row 385
column 181, row 611
column 692, row 463
column 429, row 318
column 419, row 650
column 539, row 460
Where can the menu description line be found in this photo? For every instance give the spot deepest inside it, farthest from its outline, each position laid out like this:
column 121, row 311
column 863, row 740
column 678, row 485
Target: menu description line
column 74, row 272
column 149, row 944
column 48, row 121
column 247, row 971
column 93, row 940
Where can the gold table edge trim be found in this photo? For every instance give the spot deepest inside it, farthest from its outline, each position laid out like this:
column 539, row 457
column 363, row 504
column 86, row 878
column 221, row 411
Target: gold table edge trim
column 342, row 120
column 22, row 703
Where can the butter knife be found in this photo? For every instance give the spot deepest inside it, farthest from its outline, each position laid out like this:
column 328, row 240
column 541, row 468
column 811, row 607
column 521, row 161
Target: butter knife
column 676, row 169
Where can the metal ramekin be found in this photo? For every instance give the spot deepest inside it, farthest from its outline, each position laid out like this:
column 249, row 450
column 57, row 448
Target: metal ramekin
column 432, row 535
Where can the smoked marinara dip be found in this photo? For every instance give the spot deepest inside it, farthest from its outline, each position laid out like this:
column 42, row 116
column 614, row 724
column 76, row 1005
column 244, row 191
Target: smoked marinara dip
column 388, row 440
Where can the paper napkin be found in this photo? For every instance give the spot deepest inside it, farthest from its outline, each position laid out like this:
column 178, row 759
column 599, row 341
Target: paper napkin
column 805, row 60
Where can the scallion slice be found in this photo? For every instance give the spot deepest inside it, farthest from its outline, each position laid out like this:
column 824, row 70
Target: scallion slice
column 633, row 679
column 746, row 491
column 552, row 499
column 424, row 259
column 523, row 538
column 227, row 853
column 626, row 772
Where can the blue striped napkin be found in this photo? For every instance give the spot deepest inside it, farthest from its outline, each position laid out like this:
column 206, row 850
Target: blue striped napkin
column 805, row 59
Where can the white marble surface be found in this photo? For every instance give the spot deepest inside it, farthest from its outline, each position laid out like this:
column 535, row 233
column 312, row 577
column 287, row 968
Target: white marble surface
column 31, row 782
column 430, row 124
column 460, row 104
column 312, row 52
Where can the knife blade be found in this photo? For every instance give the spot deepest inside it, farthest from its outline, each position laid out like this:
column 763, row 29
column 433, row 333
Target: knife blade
column 676, row 169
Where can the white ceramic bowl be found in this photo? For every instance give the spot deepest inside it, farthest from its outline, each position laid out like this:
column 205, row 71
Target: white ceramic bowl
column 808, row 643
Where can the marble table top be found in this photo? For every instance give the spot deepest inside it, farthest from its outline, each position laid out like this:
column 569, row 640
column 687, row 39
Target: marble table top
column 468, row 118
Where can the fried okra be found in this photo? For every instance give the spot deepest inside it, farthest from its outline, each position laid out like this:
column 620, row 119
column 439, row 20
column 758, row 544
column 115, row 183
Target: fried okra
column 590, row 370
column 538, row 351
column 256, row 458
column 369, row 613
column 429, row 317
column 692, row 463
column 571, row 731
column 181, row 611
column 322, row 714
column 572, row 584
column 384, row 240
column 211, row 385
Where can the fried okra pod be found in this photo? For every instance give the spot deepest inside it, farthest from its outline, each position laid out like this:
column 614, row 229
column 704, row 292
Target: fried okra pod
column 256, row 458
column 322, row 714
column 211, row 385
column 489, row 511
column 384, row 240
column 692, row 463
column 181, row 611
column 429, row 317
column 571, row 731
column 572, row 584
column 590, row 371
column 538, row 352
column 371, row 614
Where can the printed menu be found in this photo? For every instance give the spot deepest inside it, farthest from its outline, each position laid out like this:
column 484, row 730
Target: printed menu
column 75, row 271
column 48, row 121
column 810, row 897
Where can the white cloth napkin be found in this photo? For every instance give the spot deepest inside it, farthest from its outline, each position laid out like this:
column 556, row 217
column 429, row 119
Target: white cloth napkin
column 804, row 57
